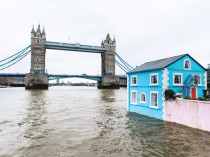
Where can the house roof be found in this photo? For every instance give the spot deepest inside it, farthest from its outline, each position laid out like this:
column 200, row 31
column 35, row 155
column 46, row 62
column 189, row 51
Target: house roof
column 159, row 64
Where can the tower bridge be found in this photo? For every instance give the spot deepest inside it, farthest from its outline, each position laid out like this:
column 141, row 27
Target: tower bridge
column 37, row 78
column 38, row 51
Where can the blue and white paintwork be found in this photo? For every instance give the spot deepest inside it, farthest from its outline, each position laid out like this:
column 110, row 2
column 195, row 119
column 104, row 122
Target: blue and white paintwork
column 165, row 81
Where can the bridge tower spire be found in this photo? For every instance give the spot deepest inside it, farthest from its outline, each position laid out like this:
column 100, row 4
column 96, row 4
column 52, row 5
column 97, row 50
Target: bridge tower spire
column 108, row 63
column 37, row 78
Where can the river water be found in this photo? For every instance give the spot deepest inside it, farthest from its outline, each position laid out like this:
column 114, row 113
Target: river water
column 87, row 122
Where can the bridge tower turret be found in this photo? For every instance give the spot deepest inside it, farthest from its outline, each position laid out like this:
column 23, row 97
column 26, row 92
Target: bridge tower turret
column 108, row 64
column 37, row 77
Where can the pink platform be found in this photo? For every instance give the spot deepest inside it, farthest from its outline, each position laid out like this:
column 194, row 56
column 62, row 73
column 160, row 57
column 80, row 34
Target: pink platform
column 192, row 113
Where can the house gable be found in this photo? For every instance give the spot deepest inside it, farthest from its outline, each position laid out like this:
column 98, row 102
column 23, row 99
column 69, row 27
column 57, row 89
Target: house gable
column 163, row 63
column 177, row 72
column 179, row 64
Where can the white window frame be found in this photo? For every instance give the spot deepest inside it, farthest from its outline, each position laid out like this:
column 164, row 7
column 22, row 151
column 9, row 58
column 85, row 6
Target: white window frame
column 200, row 84
column 153, row 84
column 143, row 102
column 131, row 98
column 200, row 79
column 153, row 92
column 180, row 84
column 189, row 64
column 132, row 80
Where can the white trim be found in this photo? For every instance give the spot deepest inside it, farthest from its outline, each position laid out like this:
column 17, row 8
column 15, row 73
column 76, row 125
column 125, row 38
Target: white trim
column 184, row 64
column 143, row 102
column 165, row 85
column 154, row 84
column 200, row 80
column 133, row 103
column 205, row 80
column 165, row 79
column 151, row 92
column 132, row 80
column 181, row 84
column 128, row 93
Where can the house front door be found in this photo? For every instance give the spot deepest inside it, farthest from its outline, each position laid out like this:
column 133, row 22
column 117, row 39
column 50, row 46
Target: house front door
column 193, row 93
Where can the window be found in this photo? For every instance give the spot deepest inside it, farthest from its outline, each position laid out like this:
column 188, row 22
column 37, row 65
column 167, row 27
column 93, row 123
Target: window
column 143, row 98
column 37, row 41
column 197, row 80
column 154, row 79
column 36, row 66
column 110, row 57
column 134, row 97
column 134, row 80
column 154, row 99
column 177, row 79
column 37, row 51
column 187, row 64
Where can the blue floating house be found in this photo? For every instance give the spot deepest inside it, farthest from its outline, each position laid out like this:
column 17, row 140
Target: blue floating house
column 147, row 83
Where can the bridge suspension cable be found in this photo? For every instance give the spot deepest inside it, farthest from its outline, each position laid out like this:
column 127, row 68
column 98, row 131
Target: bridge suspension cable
column 121, row 66
column 16, row 58
column 19, row 56
column 22, row 51
column 124, row 62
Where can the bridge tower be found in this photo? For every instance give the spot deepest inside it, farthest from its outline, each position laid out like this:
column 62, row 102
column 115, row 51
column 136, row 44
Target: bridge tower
column 109, row 80
column 37, row 78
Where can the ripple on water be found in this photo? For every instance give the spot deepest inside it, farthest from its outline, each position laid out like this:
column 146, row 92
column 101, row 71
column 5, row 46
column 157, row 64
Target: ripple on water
column 5, row 122
column 84, row 122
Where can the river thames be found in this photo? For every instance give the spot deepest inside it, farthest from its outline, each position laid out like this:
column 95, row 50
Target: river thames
column 87, row 122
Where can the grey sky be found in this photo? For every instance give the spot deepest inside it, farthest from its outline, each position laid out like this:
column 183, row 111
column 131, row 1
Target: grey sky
column 145, row 30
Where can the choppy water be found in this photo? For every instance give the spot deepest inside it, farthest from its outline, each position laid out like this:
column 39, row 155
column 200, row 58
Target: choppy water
column 87, row 122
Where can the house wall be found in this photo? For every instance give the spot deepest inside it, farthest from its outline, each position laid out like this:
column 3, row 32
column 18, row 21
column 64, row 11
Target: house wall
column 143, row 86
column 188, row 112
column 178, row 67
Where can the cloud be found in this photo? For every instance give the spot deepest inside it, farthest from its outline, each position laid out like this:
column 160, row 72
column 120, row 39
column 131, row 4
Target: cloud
column 144, row 30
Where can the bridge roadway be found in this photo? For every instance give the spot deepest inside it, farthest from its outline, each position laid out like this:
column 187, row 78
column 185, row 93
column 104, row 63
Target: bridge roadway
column 59, row 76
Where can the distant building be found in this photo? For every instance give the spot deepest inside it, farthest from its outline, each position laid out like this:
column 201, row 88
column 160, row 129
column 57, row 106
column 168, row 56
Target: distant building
column 147, row 83
column 9, row 80
column 208, row 75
